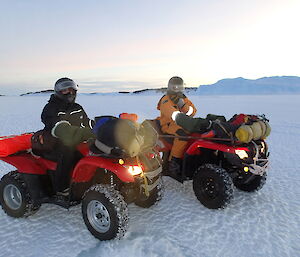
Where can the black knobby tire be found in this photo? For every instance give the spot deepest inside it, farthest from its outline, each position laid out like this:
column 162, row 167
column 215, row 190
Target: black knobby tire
column 154, row 197
column 213, row 186
column 253, row 185
column 112, row 207
column 14, row 196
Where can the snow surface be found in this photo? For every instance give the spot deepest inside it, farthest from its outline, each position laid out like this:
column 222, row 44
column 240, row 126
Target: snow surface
column 266, row 223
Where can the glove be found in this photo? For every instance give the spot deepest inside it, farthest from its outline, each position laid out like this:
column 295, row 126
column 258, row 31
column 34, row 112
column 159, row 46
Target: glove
column 70, row 135
column 213, row 117
column 180, row 103
column 186, row 122
column 178, row 99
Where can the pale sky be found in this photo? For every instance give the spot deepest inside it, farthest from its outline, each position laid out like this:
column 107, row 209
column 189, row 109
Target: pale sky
column 128, row 45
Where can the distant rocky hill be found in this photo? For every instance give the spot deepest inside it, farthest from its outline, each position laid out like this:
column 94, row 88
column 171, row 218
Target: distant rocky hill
column 142, row 91
column 157, row 90
column 241, row 86
column 48, row 91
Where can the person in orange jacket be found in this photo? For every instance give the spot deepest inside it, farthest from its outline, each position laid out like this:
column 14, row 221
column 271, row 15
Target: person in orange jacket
column 172, row 103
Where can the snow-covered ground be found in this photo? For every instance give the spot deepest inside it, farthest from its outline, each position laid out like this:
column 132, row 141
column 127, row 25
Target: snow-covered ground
column 266, row 223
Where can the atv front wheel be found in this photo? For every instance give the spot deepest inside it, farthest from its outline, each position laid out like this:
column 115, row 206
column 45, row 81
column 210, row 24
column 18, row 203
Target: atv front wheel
column 14, row 196
column 154, row 196
column 105, row 212
column 213, row 186
column 253, row 185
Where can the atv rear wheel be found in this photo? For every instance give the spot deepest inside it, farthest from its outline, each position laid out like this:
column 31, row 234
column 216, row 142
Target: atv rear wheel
column 253, row 185
column 213, row 186
column 105, row 212
column 154, row 196
column 14, row 196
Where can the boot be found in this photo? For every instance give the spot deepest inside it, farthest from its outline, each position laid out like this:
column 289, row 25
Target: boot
column 175, row 169
column 64, row 192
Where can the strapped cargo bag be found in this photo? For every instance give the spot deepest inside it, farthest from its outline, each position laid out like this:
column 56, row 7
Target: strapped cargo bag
column 254, row 127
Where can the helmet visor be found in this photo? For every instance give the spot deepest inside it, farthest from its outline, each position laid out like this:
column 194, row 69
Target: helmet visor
column 178, row 88
column 65, row 85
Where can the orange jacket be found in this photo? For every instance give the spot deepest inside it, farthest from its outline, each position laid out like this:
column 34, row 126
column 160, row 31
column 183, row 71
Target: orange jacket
column 167, row 107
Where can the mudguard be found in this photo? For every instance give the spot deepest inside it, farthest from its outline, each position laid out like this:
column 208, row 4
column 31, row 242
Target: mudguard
column 87, row 166
column 12, row 144
column 26, row 163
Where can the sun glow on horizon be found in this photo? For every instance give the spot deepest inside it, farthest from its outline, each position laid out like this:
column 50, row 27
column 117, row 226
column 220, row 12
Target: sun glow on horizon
column 199, row 41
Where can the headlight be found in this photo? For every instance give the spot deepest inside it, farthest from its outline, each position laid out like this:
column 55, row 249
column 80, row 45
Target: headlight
column 135, row 170
column 241, row 153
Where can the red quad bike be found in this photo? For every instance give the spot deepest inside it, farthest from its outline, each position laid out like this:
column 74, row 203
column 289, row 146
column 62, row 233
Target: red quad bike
column 216, row 164
column 104, row 185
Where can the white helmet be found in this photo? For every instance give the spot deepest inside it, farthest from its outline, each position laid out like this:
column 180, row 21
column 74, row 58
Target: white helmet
column 175, row 85
column 62, row 84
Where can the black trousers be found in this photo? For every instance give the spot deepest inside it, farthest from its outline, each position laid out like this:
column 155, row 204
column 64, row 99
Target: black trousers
column 66, row 159
column 53, row 149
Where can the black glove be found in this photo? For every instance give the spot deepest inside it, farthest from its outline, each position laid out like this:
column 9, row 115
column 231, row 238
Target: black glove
column 213, row 117
column 180, row 103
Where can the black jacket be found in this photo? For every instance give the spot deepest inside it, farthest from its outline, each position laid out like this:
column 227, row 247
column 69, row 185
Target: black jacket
column 57, row 110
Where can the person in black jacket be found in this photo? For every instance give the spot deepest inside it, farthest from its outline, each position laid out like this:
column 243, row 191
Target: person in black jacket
column 62, row 108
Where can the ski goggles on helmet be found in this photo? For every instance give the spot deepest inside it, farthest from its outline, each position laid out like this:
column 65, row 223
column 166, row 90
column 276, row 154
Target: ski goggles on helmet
column 178, row 88
column 65, row 85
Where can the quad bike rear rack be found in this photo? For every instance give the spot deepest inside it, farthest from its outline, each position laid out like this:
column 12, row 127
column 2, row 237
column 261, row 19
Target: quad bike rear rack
column 260, row 164
column 200, row 137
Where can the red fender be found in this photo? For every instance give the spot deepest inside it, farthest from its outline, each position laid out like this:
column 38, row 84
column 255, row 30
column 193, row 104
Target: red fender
column 26, row 163
column 86, row 168
column 12, row 144
column 194, row 147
